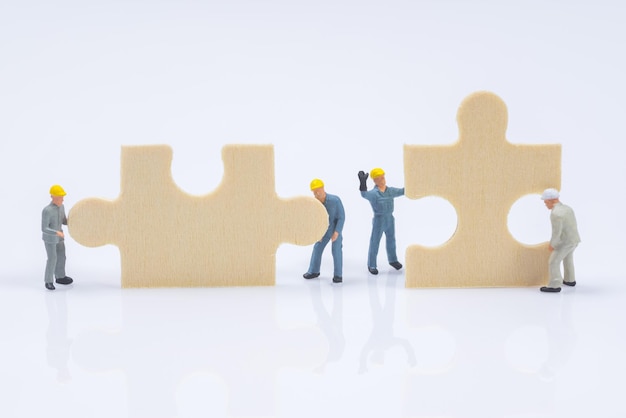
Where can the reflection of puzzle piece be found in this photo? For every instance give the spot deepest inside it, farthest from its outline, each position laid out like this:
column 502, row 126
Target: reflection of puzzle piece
column 482, row 175
column 168, row 238
column 482, row 377
column 167, row 336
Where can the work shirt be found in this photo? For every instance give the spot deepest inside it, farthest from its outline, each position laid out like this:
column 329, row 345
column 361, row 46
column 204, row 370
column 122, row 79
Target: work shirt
column 336, row 214
column 52, row 217
column 382, row 202
column 564, row 228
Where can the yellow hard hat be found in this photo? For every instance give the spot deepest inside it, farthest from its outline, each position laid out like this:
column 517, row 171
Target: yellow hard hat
column 316, row 184
column 377, row 172
column 57, row 190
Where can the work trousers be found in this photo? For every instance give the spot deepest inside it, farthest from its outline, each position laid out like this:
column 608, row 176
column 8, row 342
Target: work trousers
column 380, row 224
column 565, row 255
column 318, row 249
column 56, row 261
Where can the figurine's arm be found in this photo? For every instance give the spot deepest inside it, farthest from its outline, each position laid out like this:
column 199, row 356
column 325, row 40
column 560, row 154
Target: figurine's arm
column 46, row 220
column 338, row 219
column 341, row 217
column 396, row 192
column 46, row 217
column 370, row 195
column 557, row 229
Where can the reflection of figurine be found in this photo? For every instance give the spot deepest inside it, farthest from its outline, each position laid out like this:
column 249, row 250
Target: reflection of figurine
column 561, row 335
column 58, row 348
column 381, row 198
column 330, row 323
column 52, row 219
column 562, row 243
column 336, row 219
column 382, row 337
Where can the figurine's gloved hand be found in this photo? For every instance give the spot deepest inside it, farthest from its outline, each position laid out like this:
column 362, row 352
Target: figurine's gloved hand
column 363, row 179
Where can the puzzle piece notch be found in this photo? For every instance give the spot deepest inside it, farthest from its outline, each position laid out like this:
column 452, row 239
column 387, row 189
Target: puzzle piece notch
column 482, row 175
column 168, row 238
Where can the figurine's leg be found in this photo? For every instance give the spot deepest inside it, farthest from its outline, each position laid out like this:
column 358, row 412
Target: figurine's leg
column 51, row 251
column 556, row 257
column 338, row 256
column 390, row 235
column 554, row 263
column 316, row 257
column 377, row 233
column 569, row 273
column 59, row 270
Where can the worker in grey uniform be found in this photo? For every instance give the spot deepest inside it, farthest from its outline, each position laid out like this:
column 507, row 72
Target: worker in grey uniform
column 52, row 219
column 563, row 242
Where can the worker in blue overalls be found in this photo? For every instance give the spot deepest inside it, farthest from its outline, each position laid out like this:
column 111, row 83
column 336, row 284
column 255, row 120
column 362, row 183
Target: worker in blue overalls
column 336, row 219
column 381, row 198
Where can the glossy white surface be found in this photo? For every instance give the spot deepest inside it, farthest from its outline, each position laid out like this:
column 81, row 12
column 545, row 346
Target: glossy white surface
column 368, row 347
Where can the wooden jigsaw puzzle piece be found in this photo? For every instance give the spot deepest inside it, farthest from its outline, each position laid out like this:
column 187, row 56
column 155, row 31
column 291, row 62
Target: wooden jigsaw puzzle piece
column 169, row 238
column 482, row 175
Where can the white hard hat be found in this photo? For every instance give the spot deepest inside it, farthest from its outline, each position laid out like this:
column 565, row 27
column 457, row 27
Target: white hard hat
column 550, row 194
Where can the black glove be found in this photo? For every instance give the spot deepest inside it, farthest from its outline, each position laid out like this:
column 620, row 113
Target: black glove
column 363, row 179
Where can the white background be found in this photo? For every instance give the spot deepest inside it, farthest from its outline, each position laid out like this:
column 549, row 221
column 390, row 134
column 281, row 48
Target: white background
column 336, row 87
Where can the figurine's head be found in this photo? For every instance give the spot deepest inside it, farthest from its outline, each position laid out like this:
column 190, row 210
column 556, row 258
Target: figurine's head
column 550, row 197
column 378, row 175
column 377, row 172
column 57, row 194
column 317, row 187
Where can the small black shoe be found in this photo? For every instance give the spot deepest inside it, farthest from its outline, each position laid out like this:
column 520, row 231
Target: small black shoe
column 570, row 283
column 373, row 270
column 310, row 275
column 49, row 286
column 550, row 289
column 396, row 265
column 337, row 279
column 65, row 280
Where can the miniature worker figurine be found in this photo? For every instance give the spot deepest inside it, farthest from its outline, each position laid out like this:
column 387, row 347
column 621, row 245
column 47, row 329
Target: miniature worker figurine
column 381, row 198
column 336, row 219
column 52, row 219
column 563, row 242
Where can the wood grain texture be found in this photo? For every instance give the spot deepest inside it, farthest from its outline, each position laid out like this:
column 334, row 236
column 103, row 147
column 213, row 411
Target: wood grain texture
column 482, row 175
column 169, row 238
